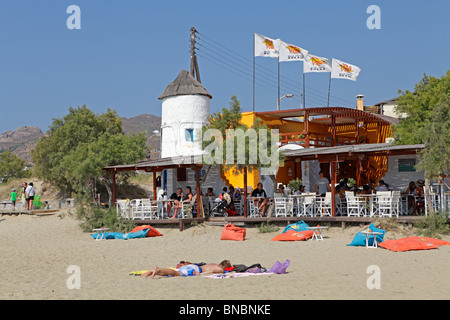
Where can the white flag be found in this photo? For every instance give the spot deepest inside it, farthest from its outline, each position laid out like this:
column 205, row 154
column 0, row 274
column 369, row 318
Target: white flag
column 266, row 47
column 343, row 70
column 290, row 52
column 316, row 64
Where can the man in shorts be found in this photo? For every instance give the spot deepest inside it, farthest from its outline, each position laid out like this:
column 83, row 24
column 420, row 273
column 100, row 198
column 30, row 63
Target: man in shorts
column 189, row 270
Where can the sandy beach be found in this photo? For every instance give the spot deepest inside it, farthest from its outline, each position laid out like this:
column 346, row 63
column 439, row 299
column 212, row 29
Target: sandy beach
column 36, row 253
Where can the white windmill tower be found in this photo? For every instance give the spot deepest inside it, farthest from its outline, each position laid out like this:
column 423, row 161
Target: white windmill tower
column 185, row 109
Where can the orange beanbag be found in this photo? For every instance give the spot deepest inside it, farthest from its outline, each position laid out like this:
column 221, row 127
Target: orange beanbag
column 152, row 232
column 412, row 243
column 230, row 232
column 292, row 235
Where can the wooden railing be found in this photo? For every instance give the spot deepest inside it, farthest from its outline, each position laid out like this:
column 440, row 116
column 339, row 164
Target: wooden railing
column 313, row 139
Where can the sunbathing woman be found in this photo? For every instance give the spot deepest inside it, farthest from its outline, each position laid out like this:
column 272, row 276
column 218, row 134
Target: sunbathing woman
column 189, row 270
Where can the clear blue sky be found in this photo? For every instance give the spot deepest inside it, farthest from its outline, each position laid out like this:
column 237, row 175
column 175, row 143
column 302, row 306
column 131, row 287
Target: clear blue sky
column 128, row 51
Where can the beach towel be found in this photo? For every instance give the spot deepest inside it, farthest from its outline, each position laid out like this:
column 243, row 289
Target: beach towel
column 412, row 243
column 298, row 226
column 277, row 268
column 230, row 232
column 292, row 235
column 360, row 238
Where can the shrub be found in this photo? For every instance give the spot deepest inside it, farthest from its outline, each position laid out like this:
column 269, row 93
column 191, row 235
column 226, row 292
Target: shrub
column 268, row 228
column 433, row 225
column 92, row 217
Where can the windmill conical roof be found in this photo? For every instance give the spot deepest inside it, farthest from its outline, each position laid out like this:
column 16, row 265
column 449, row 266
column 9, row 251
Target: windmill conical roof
column 184, row 84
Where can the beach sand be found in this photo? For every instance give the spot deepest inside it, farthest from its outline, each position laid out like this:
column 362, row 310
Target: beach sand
column 36, row 253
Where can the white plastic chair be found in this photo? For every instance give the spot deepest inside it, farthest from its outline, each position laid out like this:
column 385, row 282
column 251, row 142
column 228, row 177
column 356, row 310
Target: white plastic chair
column 384, row 203
column 136, row 209
column 308, row 205
column 253, row 209
column 325, row 205
column 355, row 205
column 280, row 207
column 123, row 209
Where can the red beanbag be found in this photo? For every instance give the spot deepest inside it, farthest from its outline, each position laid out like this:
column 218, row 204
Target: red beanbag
column 412, row 243
column 152, row 232
column 230, row 232
column 292, row 235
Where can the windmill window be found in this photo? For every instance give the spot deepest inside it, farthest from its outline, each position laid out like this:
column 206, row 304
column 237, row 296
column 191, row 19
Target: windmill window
column 190, row 135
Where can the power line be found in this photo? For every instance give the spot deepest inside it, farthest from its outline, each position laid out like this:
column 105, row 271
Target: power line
column 214, row 46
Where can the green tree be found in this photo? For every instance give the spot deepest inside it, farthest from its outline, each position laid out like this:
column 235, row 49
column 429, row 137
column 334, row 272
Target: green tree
column 11, row 166
column 227, row 120
column 76, row 148
column 427, row 122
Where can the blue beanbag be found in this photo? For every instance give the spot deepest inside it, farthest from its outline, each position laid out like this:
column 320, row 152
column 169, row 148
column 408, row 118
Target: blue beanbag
column 124, row 236
column 360, row 238
column 298, row 226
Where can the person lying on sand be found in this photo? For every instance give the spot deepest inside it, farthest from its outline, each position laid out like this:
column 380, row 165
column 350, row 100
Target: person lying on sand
column 189, row 270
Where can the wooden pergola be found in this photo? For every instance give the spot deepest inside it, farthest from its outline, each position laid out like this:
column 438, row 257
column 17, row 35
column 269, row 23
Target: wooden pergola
column 333, row 155
column 155, row 166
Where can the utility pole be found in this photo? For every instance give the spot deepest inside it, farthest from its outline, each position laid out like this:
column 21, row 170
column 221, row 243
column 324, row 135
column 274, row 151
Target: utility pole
column 194, row 64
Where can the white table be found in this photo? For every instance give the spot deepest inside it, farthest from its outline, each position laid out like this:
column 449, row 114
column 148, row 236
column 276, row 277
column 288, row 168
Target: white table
column 317, row 232
column 100, row 233
column 367, row 234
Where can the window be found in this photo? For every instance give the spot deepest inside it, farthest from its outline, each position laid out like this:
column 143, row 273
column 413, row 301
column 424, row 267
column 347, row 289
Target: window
column 190, row 135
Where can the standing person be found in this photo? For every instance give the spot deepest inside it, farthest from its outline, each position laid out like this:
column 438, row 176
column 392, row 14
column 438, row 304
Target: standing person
column 13, row 197
column 322, row 186
column 30, row 192
column 263, row 203
column 22, row 196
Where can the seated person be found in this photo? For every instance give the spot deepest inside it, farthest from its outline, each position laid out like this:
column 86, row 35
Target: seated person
column 189, row 270
column 262, row 203
column 382, row 186
column 176, row 197
column 188, row 196
column 210, row 193
column 236, row 195
column 300, row 190
column 281, row 190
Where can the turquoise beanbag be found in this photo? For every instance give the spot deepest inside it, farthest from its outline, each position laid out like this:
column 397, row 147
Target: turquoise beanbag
column 298, row 226
column 360, row 238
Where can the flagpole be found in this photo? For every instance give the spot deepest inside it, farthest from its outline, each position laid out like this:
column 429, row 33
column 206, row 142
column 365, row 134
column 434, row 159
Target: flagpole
column 253, row 72
column 329, row 88
column 304, row 97
column 278, row 77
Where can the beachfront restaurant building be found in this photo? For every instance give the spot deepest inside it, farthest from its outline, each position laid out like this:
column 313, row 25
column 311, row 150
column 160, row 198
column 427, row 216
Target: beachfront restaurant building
column 341, row 142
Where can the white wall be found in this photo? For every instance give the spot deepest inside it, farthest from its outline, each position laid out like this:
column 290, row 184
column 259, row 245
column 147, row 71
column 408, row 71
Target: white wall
column 178, row 114
column 389, row 110
column 400, row 180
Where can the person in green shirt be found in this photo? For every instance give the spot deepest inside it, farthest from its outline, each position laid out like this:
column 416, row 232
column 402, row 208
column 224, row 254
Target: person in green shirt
column 13, row 197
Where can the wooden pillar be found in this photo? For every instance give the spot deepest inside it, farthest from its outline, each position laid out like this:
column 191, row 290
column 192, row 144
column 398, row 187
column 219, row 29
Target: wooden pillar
column 306, row 127
column 197, row 189
column 333, row 130
column 114, row 187
column 357, row 131
column 245, row 192
column 333, row 189
column 154, row 186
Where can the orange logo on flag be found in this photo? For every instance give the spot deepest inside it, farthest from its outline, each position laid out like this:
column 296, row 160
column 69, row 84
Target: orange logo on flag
column 317, row 61
column 268, row 43
column 294, row 49
column 346, row 68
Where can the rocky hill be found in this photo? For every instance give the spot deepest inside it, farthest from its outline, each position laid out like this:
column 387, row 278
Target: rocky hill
column 22, row 140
